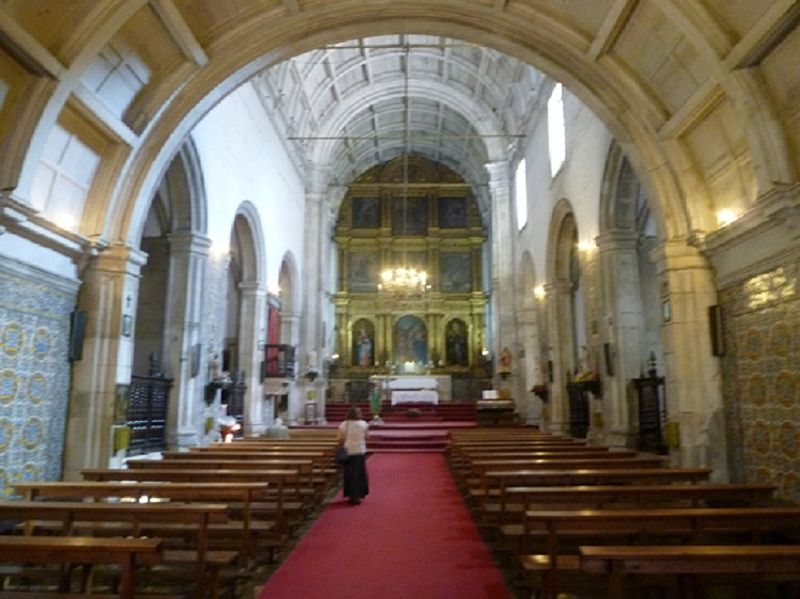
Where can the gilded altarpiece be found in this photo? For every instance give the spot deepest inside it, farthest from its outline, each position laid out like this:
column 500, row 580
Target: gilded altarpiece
column 430, row 221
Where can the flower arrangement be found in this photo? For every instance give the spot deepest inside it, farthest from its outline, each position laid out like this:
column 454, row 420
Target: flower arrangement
column 588, row 376
column 541, row 391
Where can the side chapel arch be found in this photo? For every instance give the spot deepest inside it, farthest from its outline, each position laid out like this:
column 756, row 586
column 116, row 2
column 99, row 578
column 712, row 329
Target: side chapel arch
column 246, row 310
column 630, row 290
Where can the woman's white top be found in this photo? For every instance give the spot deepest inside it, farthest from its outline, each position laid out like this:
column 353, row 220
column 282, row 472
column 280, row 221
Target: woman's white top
column 354, row 433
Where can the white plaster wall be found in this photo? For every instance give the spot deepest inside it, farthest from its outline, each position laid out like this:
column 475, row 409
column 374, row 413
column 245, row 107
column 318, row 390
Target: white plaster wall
column 579, row 179
column 243, row 159
column 19, row 249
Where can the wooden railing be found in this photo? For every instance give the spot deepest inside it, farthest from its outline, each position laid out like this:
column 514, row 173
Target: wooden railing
column 147, row 413
column 279, row 361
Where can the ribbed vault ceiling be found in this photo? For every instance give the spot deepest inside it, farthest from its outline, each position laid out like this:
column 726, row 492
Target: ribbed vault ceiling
column 362, row 102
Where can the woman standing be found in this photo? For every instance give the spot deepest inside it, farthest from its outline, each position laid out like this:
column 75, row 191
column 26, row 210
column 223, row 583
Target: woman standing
column 353, row 432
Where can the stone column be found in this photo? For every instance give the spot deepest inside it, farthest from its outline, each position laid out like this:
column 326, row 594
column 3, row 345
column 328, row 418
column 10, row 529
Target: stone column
column 252, row 336
column 316, row 260
column 622, row 328
column 290, row 334
column 560, row 341
column 502, row 278
column 529, row 372
column 693, row 379
column 111, row 284
column 183, row 315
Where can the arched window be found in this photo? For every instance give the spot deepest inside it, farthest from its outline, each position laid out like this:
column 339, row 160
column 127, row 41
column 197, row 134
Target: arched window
column 521, row 194
column 556, row 133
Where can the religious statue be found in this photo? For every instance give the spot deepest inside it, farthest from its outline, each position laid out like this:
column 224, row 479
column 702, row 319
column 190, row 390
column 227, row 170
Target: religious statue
column 587, row 366
column 364, row 345
column 504, row 366
column 456, row 343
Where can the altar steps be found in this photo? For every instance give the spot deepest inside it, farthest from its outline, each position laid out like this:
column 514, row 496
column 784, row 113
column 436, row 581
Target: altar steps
column 384, row 440
column 402, row 413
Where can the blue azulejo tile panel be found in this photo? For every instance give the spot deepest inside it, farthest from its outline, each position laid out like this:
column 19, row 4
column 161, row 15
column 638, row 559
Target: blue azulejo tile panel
column 34, row 377
column 761, row 379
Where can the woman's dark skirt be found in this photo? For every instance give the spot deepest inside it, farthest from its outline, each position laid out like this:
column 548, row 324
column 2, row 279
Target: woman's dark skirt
column 356, row 484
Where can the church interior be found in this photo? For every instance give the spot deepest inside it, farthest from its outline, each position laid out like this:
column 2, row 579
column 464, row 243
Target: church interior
column 542, row 234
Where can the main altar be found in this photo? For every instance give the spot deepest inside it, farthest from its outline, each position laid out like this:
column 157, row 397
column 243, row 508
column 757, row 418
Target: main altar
column 399, row 389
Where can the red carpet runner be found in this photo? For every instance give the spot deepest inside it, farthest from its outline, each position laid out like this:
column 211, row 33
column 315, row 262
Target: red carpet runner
column 411, row 538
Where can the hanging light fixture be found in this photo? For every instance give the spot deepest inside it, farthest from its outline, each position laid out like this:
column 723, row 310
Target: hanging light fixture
column 402, row 279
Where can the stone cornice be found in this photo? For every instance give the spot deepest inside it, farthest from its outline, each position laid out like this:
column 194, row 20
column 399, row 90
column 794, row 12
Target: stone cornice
column 765, row 237
column 23, row 220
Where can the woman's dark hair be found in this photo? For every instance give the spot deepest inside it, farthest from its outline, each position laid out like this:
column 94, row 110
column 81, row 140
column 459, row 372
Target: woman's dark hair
column 354, row 413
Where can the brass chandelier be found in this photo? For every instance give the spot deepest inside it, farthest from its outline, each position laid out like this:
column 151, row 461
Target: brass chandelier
column 404, row 280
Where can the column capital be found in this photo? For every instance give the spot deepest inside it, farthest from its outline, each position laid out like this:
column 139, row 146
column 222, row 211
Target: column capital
column 253, row 288
column 617, row 239
column 121, row 259
column 677, row 255
column 318, row 179
column 499, row 175
column 189, row 242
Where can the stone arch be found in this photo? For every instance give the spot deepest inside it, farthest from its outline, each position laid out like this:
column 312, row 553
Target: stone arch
column 560, row 304
column 630, row 126
column 246, row 309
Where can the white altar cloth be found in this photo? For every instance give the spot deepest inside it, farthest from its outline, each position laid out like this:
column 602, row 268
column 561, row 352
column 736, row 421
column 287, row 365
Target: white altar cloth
column 413, row 382
column 415, row 396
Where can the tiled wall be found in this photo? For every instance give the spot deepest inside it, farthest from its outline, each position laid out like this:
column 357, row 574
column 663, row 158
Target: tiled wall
column 761, row 378
column 34, row 375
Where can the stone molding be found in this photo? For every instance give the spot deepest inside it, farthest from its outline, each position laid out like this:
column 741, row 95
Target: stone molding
column 765, row 237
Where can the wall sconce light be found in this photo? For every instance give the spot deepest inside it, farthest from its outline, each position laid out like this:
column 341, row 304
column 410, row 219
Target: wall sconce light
column 726, row 216
column 539, row 292
column 586, row 246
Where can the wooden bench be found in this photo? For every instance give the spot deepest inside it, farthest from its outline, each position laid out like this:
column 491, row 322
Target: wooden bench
column 278, row 480
column 692, row 525
column 514, row 500
column 125, row 553
column 238, row 496
column 493, row 481
column 139, row 519
column 731, row 560
column 461, row 458
column 322, row 475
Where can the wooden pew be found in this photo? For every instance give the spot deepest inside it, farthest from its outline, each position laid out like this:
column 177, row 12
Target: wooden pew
column 302, row 492
column 124, row 553
column 139, row 519
column 514, row 501
column 730, row 560
column 278, row 481
column 493, row 481
column 238, row 496
column 459, row 458
column 322, row 476
column 694, row 525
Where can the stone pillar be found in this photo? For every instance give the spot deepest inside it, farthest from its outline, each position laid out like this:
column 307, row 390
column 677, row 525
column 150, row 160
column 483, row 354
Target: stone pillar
column 111, row 284
column 622, row 328
column 316, row 260
column 252, row 336
column 502, row 287
column 528, row 406
column 290, row 334
column 693, row 383
column 183, row 315
column 560, row 340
